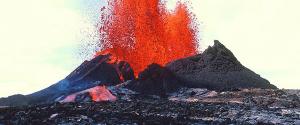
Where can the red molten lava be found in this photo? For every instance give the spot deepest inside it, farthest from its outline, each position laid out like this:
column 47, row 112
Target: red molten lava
column 144, row 32
column 100, row 93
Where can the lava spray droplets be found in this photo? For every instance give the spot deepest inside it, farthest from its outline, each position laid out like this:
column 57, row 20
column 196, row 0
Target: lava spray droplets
column 144, row 32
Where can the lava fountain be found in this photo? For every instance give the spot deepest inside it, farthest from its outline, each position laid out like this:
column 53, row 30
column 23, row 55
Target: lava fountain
column 144, row 32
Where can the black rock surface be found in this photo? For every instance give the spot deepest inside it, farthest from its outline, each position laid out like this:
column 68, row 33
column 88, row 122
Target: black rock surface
column 125, row 70
column 98, row 69
column 155, row 80
column 245, row 107
column 218, row 69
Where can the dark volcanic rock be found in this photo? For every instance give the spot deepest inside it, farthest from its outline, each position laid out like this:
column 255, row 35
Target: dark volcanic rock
column 155, row 80
column 218, row 69
column 84, row 97
column 95, row 70
column 126, row 71
column 245, row 107
column 89, row 74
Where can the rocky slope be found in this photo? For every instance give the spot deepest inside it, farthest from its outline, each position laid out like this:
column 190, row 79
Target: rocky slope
column 98, row 71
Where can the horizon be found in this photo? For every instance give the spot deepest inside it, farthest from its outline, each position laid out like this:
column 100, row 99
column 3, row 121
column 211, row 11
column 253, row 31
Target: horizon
column 41, row 40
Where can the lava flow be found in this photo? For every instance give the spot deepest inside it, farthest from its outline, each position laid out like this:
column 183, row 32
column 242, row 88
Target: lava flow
column 100, row 93
column 97, row 94
column 144, row 32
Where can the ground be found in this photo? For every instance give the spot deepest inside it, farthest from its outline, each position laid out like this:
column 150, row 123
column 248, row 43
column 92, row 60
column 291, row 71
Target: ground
column 189, row 106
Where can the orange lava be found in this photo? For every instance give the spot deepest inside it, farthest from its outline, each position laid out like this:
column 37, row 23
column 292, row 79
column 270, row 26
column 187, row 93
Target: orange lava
column 144, row 32
column 100, row 93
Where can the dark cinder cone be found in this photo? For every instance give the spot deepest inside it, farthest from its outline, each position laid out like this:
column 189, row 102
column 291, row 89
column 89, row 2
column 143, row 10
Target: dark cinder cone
column 218, row 69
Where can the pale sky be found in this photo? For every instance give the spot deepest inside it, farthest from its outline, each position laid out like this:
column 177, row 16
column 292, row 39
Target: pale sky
column 39, row 39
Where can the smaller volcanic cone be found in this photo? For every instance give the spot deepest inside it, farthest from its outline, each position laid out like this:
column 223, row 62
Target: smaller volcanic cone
column 100, row 71
column 155, row 80
column 216, row 68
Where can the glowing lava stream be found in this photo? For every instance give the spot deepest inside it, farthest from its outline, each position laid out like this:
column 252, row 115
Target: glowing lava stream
column 144, row 32
column 101, row 93
column 98, row 94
